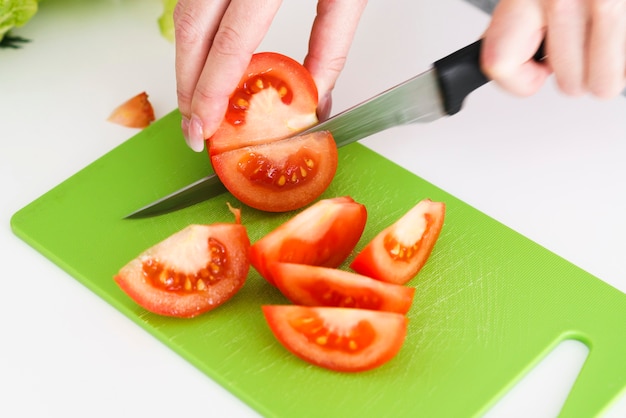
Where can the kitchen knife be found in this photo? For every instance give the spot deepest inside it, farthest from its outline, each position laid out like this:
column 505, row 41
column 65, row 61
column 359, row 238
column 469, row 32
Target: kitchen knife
column 436, row 93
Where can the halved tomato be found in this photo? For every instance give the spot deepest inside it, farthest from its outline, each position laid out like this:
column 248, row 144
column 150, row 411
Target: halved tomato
column 279, row 176
column 324, row 234
column 399, row 251
column 341, row 339
column 190, row 272
column 275, row 99
column 323, row 286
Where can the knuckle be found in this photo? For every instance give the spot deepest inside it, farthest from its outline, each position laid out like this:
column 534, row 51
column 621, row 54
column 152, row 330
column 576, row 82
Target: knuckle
column 184, row 99
column 186, row 29
column 607, row 9
column 228, row 42
column 564, row 7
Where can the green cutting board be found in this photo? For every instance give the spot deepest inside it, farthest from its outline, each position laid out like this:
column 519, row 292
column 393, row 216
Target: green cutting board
column 489, row 304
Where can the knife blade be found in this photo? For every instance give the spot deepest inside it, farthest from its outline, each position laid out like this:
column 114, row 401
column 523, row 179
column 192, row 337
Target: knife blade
column 437, row 92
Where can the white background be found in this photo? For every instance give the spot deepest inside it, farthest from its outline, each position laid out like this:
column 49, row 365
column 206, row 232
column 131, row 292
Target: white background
column 550, row 167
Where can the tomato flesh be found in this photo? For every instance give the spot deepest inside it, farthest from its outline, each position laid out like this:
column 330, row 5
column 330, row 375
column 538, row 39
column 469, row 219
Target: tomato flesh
column 322, row 286
column 190, row 272
column 398, row 253
column 341, row 339
column 239, row 102
column 282, row 175
column 324, row 234
column 276, row 98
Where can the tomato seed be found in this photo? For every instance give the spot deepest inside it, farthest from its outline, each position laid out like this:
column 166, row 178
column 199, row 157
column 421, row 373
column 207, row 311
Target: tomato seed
column 174, row 281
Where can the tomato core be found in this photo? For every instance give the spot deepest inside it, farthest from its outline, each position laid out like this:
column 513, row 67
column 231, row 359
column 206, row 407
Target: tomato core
column 239, row 102
column 399, row 252
column 313, row 328
column 174, row 281
column 262, row 170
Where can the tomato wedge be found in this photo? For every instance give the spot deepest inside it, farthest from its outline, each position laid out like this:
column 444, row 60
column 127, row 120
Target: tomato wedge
column 324, row 234
column 323, row 286
column 282, row 175
column 341, row 339
column 136, row 112
column 399, row 252
column 275, row 99
column 190, row 272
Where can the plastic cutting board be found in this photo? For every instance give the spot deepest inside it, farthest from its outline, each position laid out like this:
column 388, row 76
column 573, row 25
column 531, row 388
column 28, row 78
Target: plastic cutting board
column 489, row 305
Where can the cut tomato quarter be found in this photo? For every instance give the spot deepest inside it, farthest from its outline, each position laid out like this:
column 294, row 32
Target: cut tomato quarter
column 323, row 286
column 341, row 339
column 399, row 251
column 190, row 272
column 324, row 234
column 279, row 176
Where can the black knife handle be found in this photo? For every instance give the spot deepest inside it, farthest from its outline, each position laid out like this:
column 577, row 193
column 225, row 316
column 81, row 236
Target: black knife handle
column 459, row 74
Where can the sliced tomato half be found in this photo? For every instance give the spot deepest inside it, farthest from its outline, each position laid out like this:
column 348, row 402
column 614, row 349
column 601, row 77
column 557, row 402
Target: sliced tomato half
column 275, row 99
column 279, row 176
column 341, row 339
column 190, row 272
column 324, row 234
column 399, row 251
column 323, row 286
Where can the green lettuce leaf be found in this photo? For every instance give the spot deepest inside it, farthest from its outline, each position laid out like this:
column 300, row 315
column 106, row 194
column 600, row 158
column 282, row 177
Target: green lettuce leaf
column 15, row 13
column 166, row 21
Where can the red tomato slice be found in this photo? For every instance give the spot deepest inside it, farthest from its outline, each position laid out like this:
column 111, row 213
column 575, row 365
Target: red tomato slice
column 323, row 286
column 190, row 272
column 136, row 112
column 324, row 234
column 398, row 252
column 276, row 98
column 341, row 339
column 282, row 175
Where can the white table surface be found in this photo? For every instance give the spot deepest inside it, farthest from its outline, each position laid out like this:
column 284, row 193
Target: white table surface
column 550, row 167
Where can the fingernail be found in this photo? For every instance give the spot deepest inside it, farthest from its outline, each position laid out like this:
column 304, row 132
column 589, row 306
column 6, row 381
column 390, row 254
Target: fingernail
column 195, row 135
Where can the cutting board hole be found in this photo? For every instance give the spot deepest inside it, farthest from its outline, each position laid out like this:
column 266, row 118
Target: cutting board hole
column 543, row 391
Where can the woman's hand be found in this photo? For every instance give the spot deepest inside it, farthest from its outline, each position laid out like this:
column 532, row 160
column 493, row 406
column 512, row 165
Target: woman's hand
column 216, row 39
column 585, row 46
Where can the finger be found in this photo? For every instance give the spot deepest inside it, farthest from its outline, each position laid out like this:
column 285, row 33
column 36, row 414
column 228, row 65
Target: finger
column 196, row 23
column 606, row 75
column 566, row 43
column 243, row 26
column 511, row 40
column 331, row 36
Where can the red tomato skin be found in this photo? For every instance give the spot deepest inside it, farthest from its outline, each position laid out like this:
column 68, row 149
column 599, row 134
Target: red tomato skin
column 375, row 261
column 275, row 122
column 183, row 252
column 323, row 286
column 386, row 334
column 296, row 171
column 323, row 234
